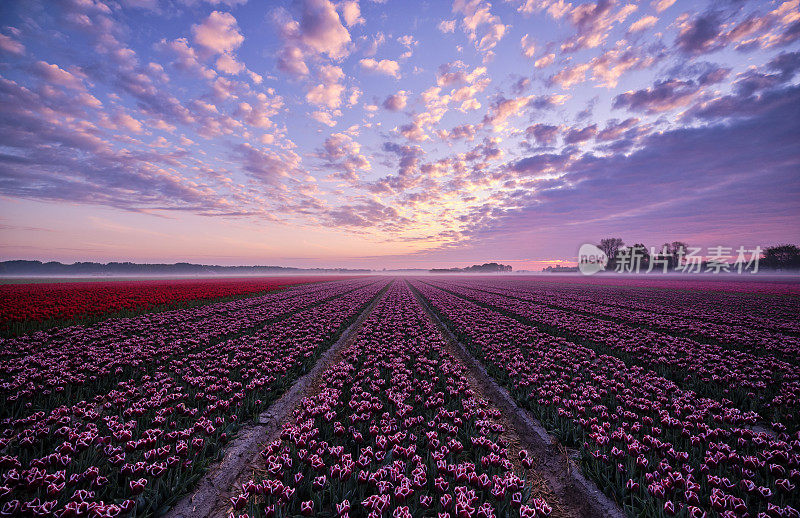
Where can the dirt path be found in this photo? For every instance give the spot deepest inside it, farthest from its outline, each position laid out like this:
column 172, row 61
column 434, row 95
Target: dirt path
column 554, row 473
column 211, row 496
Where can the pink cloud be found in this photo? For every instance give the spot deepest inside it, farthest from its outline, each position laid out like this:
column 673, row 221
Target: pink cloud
column 218, row 33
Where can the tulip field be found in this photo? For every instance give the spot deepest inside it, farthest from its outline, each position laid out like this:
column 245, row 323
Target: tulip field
column 674, row 411
column 671, row 398
column 394, row 429
column 33, row 306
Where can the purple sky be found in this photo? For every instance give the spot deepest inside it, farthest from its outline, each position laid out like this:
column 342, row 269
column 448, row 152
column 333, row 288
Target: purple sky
column 393, row 133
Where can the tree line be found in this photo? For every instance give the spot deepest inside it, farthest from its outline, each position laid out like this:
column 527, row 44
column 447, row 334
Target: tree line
column 677, row 255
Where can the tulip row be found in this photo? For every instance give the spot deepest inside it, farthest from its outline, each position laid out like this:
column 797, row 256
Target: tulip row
column 44, row 370
column 395, row 430
column 28, row 306
column 762, row 304
column 655, row 448
column 758, row 382
column 136, row 448
column 727, row 327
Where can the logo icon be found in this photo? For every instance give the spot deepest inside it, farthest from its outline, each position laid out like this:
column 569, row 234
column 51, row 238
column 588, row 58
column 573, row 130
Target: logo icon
column 591, row 259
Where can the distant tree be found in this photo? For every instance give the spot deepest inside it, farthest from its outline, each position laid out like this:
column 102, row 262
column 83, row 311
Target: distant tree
column 611, row 246
column 476, row 268
column 782, row 257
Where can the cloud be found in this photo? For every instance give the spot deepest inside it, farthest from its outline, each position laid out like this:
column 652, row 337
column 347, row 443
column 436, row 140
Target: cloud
column 329, row 96
column 749, row 167
column 569, row 76
column 446, row 26
column 414, row 130
column 352, row 13
column 384, row 66
column 324, row 117
column 57, row 158
column 127, row 122
column 462, row 131
column 477, row 13
column 259, row 111
column 593, row 22
column 748, row 101
column 662, row 96
column 643, row 23
column 321, row 29
column 543, row 134
column 11, row 46
column 504, row 108
column 290, row 60
column 329, row 92
column 184, row 125
column 369, row 213
column 455, row 73
column 353, row 96
column 227, row 64
column 229, row 3
column 528, row 46
column 545, row 61
column 268, row 167
column 577, row 136
column 661, row 5
column 343, row 155
column 186, row 57
column 700, row 35
column 53, row 74
column 396, row 102
column 610, row 66
column 318, row 33
column 218, row 33
column 614, row 130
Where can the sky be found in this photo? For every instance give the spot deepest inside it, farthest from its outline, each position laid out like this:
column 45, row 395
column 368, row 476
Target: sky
column 391, row 133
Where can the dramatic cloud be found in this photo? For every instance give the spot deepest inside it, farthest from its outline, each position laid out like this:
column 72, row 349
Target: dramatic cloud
column 466, row 128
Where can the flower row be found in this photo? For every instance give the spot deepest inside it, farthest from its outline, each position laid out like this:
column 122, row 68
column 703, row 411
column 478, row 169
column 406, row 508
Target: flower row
column 69, row 300
column 752, row 381
column 395, row 430
column 657, row 449
column 138, row 446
